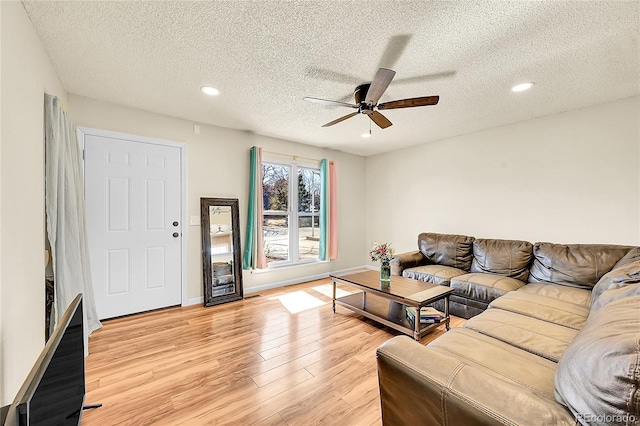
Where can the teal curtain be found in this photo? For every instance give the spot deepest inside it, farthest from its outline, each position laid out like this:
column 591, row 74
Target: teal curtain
column 251, row 213
column 324, row 190
column 254, row 257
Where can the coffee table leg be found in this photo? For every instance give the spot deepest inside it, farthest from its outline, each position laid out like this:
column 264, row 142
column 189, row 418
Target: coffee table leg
column 416, row 325
column 334, row 296
column 446, row 312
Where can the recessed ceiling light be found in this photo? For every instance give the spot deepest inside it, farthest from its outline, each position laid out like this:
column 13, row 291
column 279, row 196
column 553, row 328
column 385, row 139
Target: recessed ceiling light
column 521, row 87
column 211, row 91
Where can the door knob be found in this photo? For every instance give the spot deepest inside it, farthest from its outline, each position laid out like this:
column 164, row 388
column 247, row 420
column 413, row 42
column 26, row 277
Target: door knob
column 175, row 223
column 176, row 235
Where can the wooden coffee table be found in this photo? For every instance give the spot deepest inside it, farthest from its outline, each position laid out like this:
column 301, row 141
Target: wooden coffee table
column 386, row 303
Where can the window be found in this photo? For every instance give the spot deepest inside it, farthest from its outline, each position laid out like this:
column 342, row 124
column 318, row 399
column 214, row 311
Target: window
column 291, row 204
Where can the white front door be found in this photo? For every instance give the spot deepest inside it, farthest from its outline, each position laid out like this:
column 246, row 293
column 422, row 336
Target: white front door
column 133, row 196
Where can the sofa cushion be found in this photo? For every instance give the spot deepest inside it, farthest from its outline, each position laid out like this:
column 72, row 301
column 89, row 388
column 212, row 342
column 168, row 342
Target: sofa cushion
column 447, row 249
column 615, row 294
column 402, row 261
column 530, row 334
column 599, row 373
column 499, row 358
column 424, row 386
column 221, row 268
column 484, row 287
column 579, row 296
column 510, row 258
column 616, row 278
column 576, row 265
column 632, row 256
column 544, row 308
column 222, row 280
column 436, row 274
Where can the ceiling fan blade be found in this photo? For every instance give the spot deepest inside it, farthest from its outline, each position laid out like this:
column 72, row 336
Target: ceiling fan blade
column 409, row 103
column 328, row 102
column 331, row 123
column 379, row 84
column 382, row 121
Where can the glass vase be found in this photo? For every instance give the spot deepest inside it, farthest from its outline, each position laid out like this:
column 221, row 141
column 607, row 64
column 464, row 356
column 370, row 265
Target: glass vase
column 385, row 272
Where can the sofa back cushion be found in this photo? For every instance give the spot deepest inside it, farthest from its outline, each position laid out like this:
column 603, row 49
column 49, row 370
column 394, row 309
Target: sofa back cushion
column 597, row 376
column 447, row 249
column 576, row 265
column 614, row 294
column 509, row 258
column 618, row 277
column 632, row 256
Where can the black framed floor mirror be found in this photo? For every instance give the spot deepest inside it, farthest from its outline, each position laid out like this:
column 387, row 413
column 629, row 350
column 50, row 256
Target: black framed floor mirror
column 221, row 251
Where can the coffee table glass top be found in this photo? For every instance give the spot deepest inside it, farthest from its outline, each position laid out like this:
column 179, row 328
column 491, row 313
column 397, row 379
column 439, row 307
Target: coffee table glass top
column 406, row 288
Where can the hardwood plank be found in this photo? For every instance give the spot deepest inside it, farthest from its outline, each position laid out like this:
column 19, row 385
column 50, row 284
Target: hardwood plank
column 312, row 410
column 340, row 375
column 365, row 414
column 288, row 367
column 246, row 362
column 275, row 420
column 366, row 390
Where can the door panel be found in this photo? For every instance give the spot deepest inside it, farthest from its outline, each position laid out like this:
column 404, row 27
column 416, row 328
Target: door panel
column 118, row 272
column 133, row 194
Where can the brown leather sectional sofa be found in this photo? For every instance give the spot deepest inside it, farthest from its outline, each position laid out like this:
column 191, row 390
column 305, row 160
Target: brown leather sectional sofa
column 558, row 345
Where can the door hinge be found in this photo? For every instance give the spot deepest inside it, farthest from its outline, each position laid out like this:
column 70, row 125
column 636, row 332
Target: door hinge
column 83, row 155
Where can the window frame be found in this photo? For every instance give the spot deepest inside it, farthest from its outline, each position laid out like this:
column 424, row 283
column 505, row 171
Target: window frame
column 292, row 214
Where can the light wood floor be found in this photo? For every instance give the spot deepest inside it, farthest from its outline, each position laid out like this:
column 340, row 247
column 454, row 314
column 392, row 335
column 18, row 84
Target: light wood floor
column 250, row 362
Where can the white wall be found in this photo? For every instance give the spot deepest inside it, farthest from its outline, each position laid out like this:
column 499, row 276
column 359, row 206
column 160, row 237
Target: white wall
column 26, row 74
column 217, row 166
column 567, row 178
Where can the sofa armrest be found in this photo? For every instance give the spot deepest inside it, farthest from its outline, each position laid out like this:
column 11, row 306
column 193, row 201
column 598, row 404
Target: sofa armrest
column 407, row 260
column 446, row 391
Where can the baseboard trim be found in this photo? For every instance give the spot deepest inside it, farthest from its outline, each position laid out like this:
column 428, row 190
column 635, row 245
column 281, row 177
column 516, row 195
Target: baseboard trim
column 200, row 300
column 284, row 283
column 302, row 279
column 194, row 301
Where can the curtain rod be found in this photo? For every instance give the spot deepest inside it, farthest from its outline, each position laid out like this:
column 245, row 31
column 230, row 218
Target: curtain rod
column 294, row 157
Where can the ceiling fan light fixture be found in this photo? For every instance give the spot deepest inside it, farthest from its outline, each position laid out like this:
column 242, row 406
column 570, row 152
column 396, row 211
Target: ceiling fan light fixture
column 522, row 87
column 208, row 90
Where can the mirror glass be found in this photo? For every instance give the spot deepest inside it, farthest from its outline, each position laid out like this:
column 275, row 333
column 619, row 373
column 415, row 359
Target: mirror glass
column 221, row 258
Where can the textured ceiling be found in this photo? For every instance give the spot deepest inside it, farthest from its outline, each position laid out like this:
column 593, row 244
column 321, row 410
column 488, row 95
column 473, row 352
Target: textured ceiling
column 266, row 56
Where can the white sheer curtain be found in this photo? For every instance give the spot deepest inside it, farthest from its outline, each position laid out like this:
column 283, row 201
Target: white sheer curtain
column 66, row 217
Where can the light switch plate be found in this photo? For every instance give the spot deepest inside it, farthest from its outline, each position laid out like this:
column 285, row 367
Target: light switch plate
column 194, row 220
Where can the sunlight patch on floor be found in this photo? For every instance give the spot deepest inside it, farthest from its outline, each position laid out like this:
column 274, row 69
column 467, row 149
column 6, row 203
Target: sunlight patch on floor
column 327, row 290
column 298, row 301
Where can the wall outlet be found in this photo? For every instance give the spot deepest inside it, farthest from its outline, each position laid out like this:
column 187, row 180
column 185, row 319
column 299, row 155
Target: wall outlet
column 194, row 220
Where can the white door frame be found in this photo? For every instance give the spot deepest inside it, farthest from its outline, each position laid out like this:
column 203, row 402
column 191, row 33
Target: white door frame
column 86, row 131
